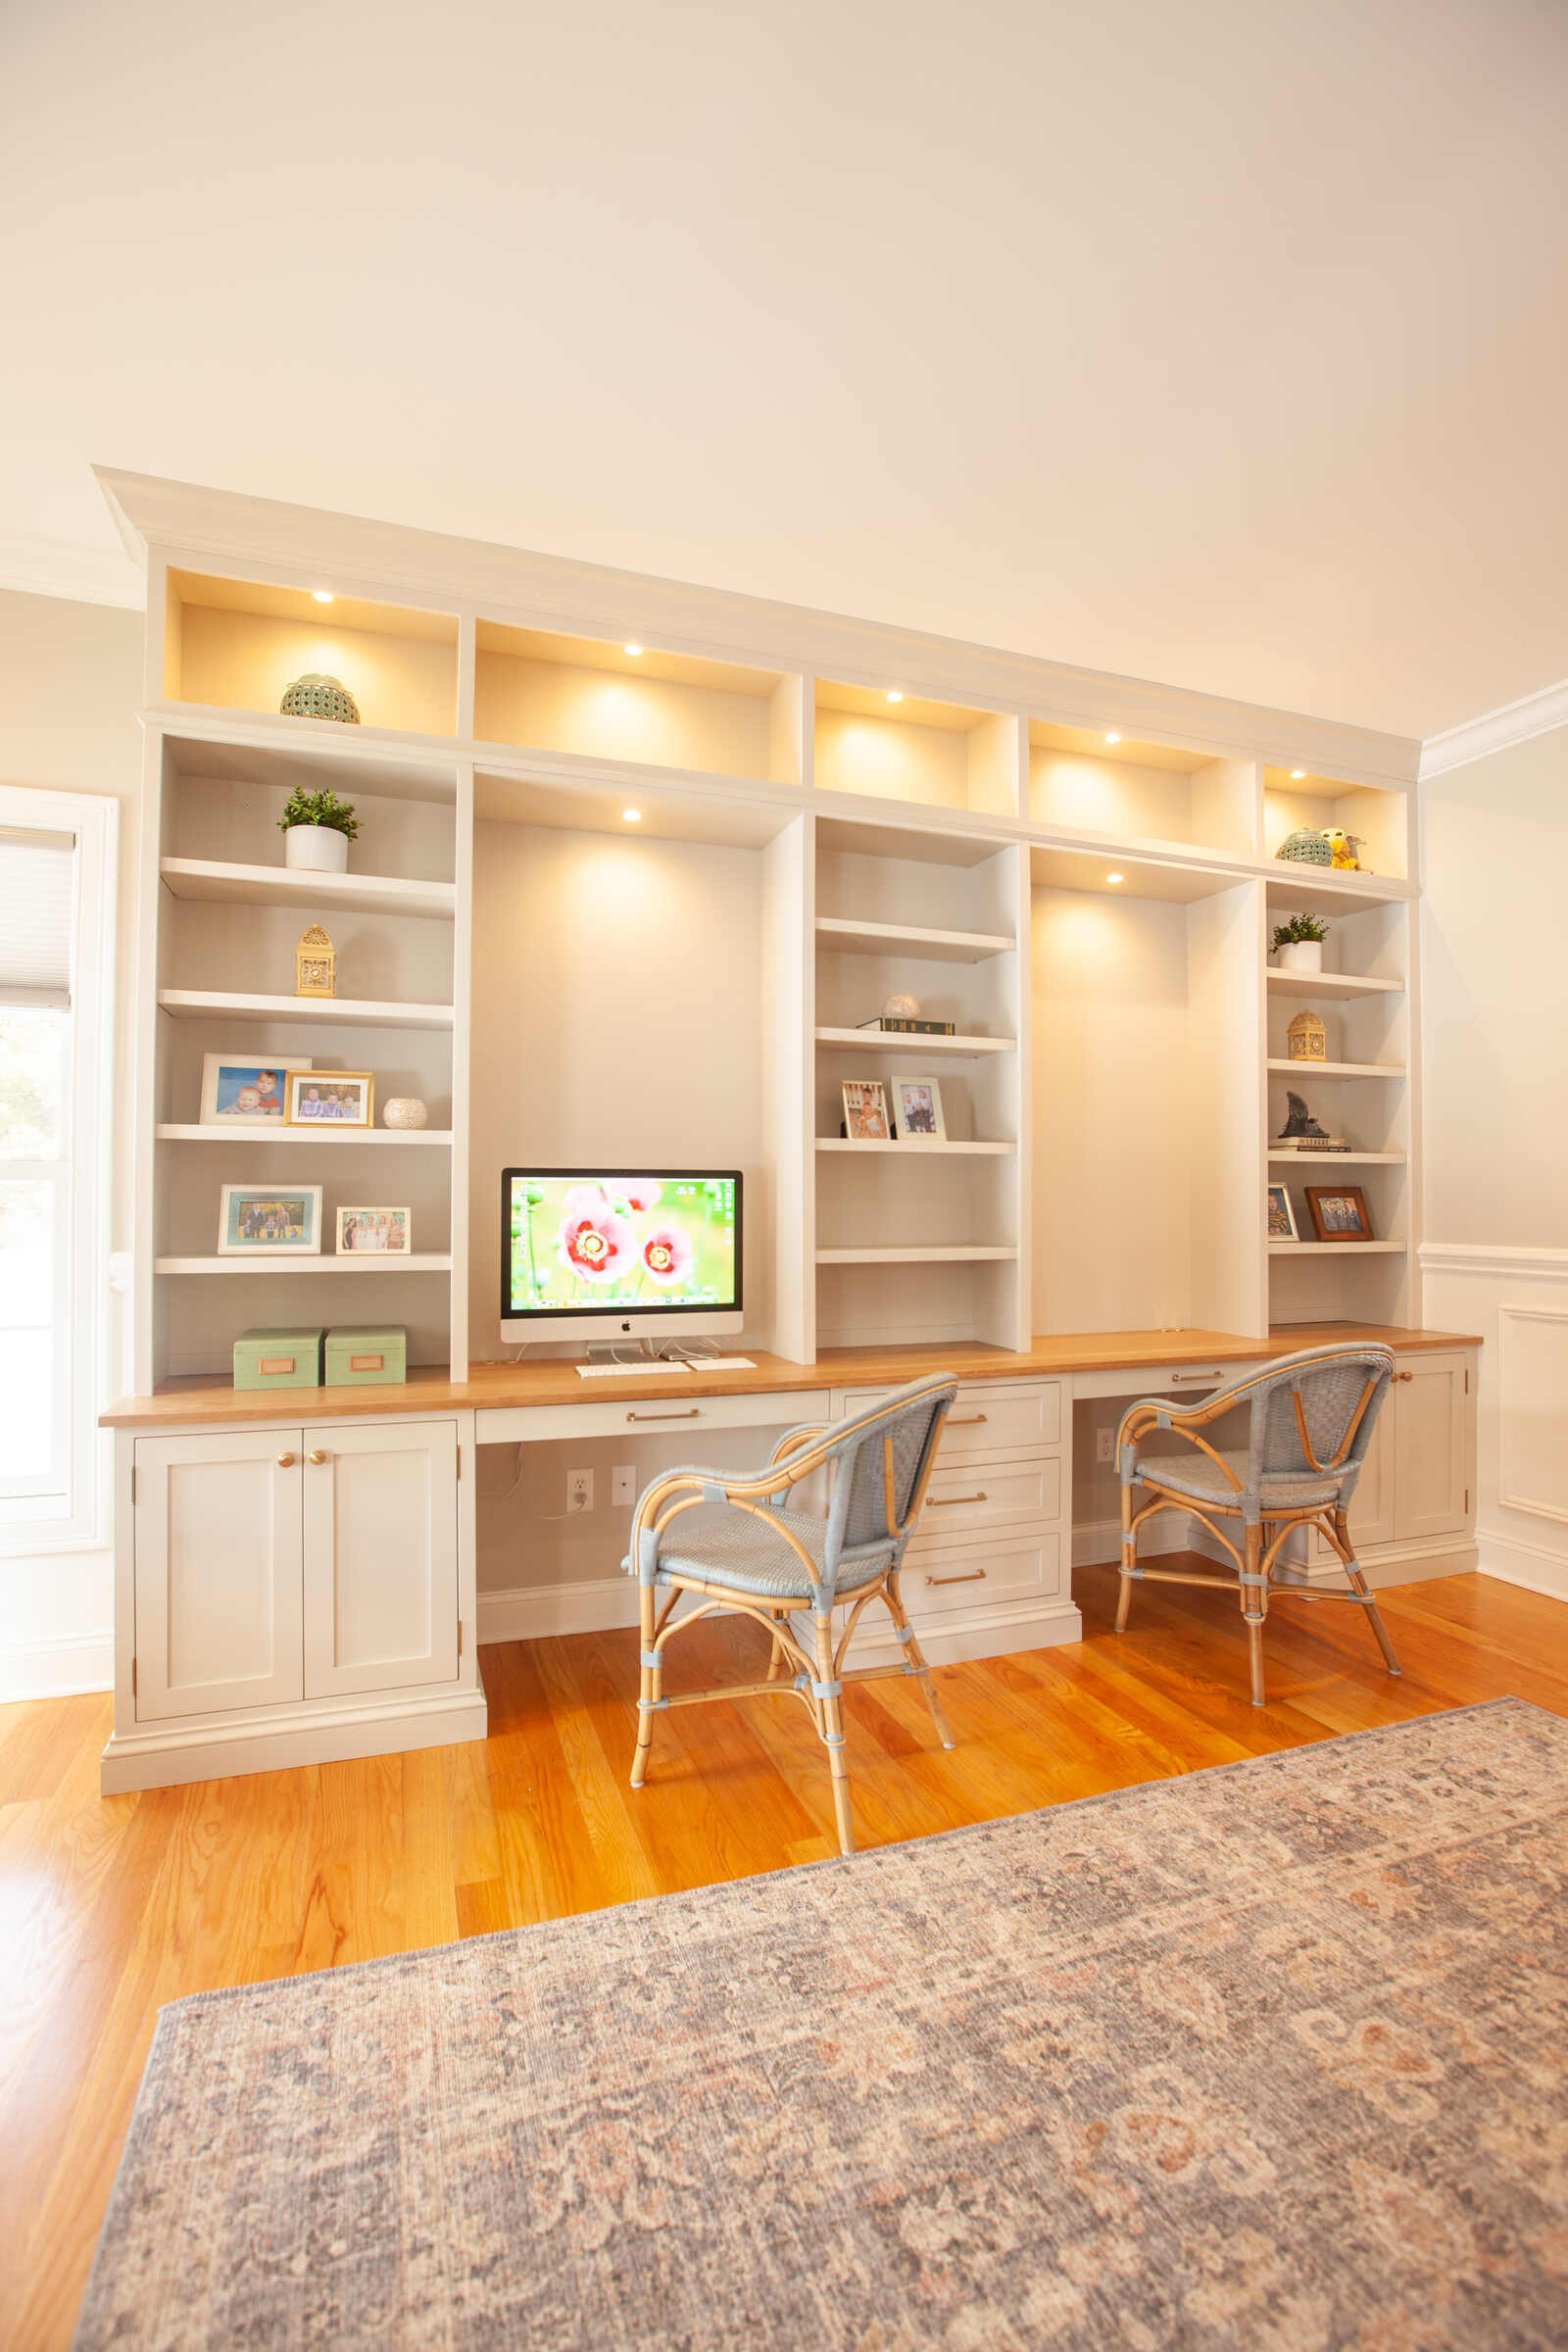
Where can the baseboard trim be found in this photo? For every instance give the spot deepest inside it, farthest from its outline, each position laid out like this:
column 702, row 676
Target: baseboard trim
column 537, row 1612
column 162, row 1759
column 57, row 1669
column 1529, row 1565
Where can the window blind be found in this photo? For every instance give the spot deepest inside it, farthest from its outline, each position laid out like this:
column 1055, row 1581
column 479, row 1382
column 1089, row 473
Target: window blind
column 37, row 876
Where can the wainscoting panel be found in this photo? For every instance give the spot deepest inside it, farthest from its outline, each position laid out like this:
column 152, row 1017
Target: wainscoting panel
column 1517, row 1300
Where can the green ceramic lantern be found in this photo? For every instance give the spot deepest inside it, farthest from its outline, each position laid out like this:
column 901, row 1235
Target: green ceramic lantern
column 318, row 696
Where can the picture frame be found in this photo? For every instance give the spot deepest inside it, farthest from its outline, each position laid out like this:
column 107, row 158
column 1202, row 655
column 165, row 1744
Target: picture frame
column 336, row 1098
column 374, row 1232
column 228, row 1078
column 917, row 1109
column 269, row 1220
column 865, row 1111
column 1339, row 1212
column 1279, row 1215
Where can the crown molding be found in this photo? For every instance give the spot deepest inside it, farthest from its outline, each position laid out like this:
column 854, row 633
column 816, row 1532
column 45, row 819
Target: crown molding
column 231, row 531
column 1496, row 731
column 34, row 565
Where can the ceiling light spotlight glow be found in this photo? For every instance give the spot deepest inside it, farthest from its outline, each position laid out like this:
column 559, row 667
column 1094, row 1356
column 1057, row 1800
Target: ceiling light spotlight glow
column 1113, row 877
column 1113, row 737
column 894, row 694
column 323, row 596
column 633, row 649
column 1297, row 773
column 633, row 816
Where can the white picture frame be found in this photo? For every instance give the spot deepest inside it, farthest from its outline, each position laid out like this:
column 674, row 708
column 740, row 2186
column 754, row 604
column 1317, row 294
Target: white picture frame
column 918, row 1107
column 225, row 1078
column 373, row 1232
column 1279, row 1216
column 865, row 1111
column 269, row 1220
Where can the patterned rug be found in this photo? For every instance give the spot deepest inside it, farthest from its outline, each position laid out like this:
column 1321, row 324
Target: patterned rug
column 1271, row 2056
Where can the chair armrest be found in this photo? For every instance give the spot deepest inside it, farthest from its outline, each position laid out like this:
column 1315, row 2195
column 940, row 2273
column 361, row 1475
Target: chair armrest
column 794, row 1438
column 1154, row 1412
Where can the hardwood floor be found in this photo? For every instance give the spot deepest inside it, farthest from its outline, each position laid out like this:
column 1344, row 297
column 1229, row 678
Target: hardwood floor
column 111, row 1906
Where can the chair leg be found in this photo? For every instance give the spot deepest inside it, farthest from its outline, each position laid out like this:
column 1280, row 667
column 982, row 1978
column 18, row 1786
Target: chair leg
column 1129, row 1557
column 649, row 1689
column 1254, row 1608
column 917, row 1659
column 1359, row 1585
column 831, row 1724
column 776, row 1663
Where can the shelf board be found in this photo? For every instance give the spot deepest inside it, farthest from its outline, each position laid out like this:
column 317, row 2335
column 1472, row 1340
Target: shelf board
column 913, row 1149
column 431, row 1261
column 903, row 939
column 1336, row 1070
column 1336, row 1249
column 891, row 1255
column 893, row 1040
column 436, row 1138
column 1332, row 984
column 352, row 1013
column 1326, row 1161
column 283, row 886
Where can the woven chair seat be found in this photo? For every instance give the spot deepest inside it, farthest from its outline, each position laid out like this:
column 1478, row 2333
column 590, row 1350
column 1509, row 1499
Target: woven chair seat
column 734, row 1548
column 1190, row 1472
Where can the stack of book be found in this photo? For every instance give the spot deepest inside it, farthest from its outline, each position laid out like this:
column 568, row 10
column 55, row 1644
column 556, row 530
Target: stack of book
column 904, row 1028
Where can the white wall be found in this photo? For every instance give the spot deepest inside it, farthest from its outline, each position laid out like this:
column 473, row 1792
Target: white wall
column 70, row 686
column 1494, row 1021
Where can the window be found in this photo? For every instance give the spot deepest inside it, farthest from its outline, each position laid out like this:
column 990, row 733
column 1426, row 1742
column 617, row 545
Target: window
column 56, row 946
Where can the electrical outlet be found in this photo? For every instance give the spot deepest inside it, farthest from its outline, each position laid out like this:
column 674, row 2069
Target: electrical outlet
column 622, row 1485
column 579, row 1490
column 1104, row 1444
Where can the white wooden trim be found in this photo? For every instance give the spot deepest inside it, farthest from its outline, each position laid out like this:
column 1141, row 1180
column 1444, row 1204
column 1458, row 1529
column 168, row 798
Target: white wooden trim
column 1541, row 1264
column 34, row 565
column 386, row 1727
column 57, row 1668
column 1496, row 731
column 1508, row 1416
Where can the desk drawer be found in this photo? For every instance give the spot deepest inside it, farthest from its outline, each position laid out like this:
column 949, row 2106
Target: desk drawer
column 659, row 1415
column 972, row 1576
column 998, row 1416
column 967, row 1499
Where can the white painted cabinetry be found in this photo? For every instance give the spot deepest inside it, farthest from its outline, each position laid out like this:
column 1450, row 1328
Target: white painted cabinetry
column 289, row 1593
column 1417, row 1484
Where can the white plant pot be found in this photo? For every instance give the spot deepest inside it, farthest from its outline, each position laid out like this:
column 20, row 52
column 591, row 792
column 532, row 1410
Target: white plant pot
column 1300, row 955
column 404, row 1110
column 315, row 849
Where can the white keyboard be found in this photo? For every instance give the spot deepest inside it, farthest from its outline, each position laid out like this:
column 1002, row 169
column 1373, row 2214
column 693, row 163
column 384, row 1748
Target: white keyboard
column 710, row 1363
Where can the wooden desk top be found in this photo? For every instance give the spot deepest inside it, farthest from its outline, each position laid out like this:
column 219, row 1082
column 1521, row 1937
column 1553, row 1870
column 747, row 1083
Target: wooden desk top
column 495, row 1387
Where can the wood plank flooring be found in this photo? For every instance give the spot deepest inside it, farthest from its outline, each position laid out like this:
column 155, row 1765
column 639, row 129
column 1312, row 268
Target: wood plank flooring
column 111, row 1906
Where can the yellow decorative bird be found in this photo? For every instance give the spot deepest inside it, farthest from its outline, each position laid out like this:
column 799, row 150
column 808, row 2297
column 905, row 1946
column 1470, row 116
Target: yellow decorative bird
column 1345, row 846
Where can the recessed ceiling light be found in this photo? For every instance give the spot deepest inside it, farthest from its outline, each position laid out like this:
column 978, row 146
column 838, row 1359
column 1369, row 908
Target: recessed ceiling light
column 631, row 649
column 633, row 816
column 1297, row 773
column 894, row 694
column 1113, row 737
column 323, row 596
column 1113, row 877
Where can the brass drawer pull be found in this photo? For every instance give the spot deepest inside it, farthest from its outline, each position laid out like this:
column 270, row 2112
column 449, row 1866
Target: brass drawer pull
column 693, row 1412
column 285, row 1461
column 964, row 1420
column 973, row 1578
column 946, row 1502
column 1206, row 1378
column 317, row 1459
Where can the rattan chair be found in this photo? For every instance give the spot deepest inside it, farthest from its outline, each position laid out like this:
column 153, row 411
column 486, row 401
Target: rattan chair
column 1310, row 1421
column 736, row 1545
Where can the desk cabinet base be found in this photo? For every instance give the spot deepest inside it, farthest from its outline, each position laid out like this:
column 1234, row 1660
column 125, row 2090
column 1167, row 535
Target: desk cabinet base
column 281, row 1739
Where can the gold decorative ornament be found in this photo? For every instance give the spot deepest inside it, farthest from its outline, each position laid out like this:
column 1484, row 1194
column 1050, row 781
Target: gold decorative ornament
column 1306, row 1039
column 315, row 965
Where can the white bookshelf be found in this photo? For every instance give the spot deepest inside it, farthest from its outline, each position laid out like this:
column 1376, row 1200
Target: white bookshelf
column 564, row 984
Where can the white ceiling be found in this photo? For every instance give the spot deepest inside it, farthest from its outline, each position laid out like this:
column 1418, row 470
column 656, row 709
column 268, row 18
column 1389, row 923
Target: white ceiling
column 1220, row 343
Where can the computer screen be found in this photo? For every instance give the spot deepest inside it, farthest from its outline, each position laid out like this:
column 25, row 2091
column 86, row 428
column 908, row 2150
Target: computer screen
column 616, row 1248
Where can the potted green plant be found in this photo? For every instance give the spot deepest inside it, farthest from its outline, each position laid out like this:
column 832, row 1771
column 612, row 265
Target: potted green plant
column 1298, row 944
column 316, row 829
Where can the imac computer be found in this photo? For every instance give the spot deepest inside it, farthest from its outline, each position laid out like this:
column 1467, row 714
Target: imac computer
column 590, row 1253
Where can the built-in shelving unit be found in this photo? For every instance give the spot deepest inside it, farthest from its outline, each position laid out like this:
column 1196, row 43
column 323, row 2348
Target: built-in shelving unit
column 637, row 861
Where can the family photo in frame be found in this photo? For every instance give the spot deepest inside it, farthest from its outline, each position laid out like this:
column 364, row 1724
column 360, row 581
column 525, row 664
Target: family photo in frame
column 913, row 1116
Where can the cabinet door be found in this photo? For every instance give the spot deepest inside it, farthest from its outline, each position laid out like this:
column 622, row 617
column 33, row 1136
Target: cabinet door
column 1430, row 1438
column 1372, row 1506
column 217, row 1572
column 380, row 1556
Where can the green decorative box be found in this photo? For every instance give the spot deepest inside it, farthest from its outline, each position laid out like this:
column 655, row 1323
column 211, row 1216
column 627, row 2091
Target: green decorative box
column 358, row 1358
column 278, row 1359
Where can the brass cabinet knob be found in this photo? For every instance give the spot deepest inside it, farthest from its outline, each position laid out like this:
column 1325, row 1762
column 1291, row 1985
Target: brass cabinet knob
column 285, row 1461
column 1405, row 1376
column 317, row 1459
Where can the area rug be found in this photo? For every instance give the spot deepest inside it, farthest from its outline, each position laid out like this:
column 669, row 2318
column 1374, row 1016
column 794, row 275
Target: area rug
column 1271, row 2056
